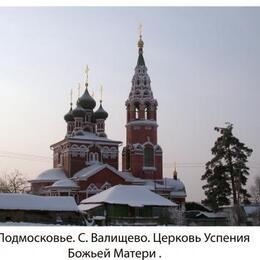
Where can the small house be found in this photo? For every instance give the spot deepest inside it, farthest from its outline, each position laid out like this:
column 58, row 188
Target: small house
column 28, row 209
column 129, row 205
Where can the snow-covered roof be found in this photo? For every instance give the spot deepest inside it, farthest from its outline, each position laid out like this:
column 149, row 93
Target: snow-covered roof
column 178, row 194
column 83, row 135
column 93, row 169
column 211, row 214
column 53, row 174
column 134, row 196
column 251, row 209
column 17, row 201
column 86, row 207
column 65, row 183
column 130, row 178
column 176, row 185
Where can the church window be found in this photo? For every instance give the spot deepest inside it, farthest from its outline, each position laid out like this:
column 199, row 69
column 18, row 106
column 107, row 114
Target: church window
column 113, row 153
column 92, row 189
column 93, row 157
column 136, row 111
column 147, row 112
column 60, row 159
column 77, row 123
column 148, row 156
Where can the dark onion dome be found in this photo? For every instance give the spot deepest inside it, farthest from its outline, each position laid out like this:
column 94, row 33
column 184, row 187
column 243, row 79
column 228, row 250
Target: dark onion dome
column 69, row 117
column 86, row 101
column 101, row 113
column 78, row 111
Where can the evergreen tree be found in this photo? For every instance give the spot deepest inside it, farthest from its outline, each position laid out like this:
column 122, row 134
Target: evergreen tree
column 226, row 174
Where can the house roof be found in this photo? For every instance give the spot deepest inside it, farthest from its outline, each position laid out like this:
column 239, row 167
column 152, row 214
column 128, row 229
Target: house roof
column 17, row 201
column 91, row 136
column 91, row 170
column 176, row 185
column 53, row 174
column 86, row 207
column 64, row 183
column 134, row 196
column 251, row 209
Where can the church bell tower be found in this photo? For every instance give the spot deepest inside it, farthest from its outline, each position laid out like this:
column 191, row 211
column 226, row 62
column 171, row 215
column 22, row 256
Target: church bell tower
column 142, row 156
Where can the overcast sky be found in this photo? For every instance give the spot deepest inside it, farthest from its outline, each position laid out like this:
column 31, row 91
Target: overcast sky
column 203, row 62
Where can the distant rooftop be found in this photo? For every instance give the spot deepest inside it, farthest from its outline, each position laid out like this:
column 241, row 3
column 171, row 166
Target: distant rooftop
column 134, row 196
column 17, row 201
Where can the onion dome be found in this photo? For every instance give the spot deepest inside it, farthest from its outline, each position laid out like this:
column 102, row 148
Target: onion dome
column 78, row 111
column 140, row 44
column 101, row 113
column 69, row 117
column 86, row 101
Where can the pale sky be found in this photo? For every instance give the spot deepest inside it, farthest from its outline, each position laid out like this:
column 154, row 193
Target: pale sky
column 203, row 62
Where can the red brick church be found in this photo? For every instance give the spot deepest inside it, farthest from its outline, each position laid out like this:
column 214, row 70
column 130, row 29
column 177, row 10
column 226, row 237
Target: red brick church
column 85, row 162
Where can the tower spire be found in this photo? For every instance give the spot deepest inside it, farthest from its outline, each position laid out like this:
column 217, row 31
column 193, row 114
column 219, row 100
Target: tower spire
column 140, row 44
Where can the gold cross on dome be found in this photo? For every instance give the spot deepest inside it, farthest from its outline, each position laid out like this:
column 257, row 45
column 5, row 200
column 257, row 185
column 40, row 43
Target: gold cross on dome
column 101, row 92
column 140, row 28
column 78, row 90
column 86, row 72
column 71, row 94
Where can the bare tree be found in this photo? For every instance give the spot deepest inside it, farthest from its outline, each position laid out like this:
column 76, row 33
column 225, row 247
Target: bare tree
column 255, row 190
column 14, row 182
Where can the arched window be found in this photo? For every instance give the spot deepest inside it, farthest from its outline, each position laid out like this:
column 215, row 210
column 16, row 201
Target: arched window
column 148, row 156
column 92, row 189
column 60, row 159
column 136, row 111
column 146, row 113
column 93, row 157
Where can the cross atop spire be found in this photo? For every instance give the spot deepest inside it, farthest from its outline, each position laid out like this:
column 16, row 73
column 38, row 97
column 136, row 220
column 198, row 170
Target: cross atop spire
column 78, row 90
column 101, row 93
column 86, row 72
column 140, row 28
column 71, row 94
column 175, row 172
column 140, row 42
